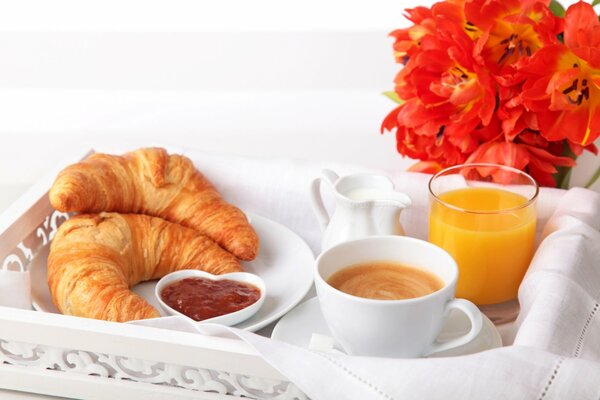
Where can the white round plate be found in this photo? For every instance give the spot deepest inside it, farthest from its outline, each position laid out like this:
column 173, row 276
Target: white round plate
column 284, row 262
column 298, row 326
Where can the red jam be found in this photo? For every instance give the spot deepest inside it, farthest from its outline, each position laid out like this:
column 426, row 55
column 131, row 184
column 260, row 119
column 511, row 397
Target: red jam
column 201, row 298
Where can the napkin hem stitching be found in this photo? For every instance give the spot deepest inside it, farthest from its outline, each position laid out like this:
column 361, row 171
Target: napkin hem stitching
column 356, row 376
column 584, row 331
column 552, row 378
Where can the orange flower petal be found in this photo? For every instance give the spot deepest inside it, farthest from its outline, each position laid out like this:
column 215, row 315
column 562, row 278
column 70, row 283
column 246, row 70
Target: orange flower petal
column 582, row 28
column 427, row 167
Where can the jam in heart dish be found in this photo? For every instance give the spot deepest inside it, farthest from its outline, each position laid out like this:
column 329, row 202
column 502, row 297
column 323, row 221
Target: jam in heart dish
column 226, row 299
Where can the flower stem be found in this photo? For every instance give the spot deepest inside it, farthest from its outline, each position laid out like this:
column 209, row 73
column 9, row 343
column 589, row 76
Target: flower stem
column 593, row 179
column 564, row 177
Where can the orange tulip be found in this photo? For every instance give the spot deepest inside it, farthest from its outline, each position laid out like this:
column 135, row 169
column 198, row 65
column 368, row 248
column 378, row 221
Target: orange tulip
column 563, row 81
column 511, row 30
column 501, row 81
column 538, row 162
column 446, row 94
column 424, row 34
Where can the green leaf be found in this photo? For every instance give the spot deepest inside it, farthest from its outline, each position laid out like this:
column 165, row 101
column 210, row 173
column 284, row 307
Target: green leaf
column 558, row 9
column 595, row 2
column 393, row 96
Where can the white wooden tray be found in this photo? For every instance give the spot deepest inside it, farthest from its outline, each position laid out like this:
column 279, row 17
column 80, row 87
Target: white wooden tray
column 83, row 358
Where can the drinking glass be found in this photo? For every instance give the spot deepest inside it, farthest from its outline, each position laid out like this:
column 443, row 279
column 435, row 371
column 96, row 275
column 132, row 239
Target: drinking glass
column 484, row 216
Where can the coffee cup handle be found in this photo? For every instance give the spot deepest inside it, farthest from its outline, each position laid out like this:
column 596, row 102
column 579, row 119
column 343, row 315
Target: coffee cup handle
column 474, row 315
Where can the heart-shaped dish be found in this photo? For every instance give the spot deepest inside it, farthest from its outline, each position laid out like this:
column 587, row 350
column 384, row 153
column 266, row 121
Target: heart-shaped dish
column 229, row 319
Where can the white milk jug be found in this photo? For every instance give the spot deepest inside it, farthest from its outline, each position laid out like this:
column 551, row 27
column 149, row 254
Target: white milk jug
column 366, row 205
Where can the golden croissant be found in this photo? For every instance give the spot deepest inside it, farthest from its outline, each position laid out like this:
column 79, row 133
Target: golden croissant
column 150, row 181
column 95, row 260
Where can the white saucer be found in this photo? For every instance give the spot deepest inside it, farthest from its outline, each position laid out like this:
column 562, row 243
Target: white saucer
column 297, row 327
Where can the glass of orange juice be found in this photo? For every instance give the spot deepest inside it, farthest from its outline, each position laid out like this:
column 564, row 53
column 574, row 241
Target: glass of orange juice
column 484, row 216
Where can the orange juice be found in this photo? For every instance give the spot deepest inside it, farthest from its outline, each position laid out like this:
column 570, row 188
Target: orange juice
column 490, row 233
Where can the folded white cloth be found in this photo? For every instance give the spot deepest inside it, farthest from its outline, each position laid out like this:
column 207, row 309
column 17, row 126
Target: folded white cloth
column 556, row 351
column 556, row 354
column 560, row 294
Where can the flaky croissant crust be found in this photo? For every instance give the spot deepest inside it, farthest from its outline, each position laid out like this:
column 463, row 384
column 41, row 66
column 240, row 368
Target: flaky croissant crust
column 95, row 260
column 150, row 181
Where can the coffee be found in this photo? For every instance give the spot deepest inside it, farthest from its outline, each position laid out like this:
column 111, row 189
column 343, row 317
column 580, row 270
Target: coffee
column 390, row 267
column 385, row 280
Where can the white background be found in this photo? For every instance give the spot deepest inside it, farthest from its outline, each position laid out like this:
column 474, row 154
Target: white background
column 262, row 78
column 259, row 78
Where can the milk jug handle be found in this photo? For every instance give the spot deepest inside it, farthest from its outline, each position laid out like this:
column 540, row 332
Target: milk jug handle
column 317, row 199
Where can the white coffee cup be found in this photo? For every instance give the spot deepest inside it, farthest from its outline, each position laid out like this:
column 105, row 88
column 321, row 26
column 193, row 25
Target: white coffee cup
column 392, row 328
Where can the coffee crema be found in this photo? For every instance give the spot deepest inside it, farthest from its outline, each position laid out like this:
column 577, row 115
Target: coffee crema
column 385, row 280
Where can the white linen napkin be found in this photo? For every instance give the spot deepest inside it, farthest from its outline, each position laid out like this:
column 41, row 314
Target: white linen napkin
column 560, row 294
column 556, row 352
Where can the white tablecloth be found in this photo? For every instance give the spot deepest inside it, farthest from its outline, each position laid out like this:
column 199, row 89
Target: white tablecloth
column 556, row 351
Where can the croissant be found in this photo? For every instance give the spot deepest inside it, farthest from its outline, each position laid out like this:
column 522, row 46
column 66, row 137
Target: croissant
column 150, row 181
column 95, row 260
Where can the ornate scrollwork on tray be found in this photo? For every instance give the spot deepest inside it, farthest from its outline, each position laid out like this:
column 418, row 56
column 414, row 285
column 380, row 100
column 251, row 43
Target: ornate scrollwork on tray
column 22, row 255
column 144, row 371
column 118, row 367
column 48, row 229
